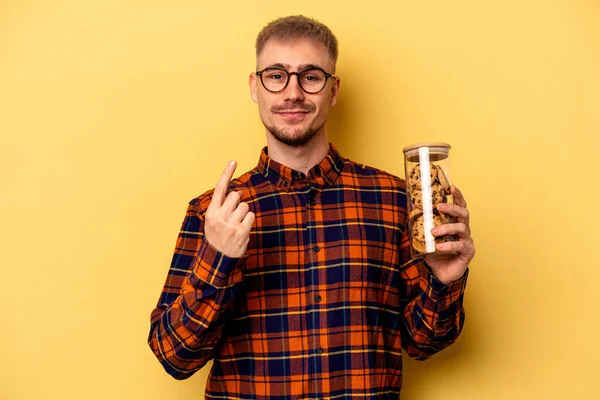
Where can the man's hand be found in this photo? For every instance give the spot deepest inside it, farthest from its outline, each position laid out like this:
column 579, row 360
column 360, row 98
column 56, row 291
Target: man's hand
column 449, row 267
column 227, row 221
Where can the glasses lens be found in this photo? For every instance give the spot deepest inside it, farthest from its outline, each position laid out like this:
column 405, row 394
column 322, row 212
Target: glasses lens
column 312, row 80
column 274, row 79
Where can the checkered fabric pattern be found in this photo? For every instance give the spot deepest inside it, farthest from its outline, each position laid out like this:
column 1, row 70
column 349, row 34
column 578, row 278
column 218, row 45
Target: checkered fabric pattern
column 324, row 302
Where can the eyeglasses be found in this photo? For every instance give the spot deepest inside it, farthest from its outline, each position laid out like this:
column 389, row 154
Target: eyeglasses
column 311, row 80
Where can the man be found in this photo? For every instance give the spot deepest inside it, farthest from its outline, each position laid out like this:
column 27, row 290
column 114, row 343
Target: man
column 296, row 277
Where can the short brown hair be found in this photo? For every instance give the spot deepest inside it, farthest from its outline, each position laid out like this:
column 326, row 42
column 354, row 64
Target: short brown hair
column 295, row 27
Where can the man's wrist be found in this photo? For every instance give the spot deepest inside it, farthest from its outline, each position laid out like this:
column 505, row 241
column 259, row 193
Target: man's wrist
column 442, row 287
column 215, row 268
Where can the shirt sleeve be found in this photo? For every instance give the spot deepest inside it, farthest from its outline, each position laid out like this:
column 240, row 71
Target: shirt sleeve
column 433, row 314
column 187, row 323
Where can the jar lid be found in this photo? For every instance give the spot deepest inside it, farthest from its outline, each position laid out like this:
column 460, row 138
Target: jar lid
column 437, row 151
column 426, row 144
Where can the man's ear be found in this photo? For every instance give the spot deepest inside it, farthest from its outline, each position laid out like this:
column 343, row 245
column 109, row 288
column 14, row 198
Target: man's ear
column 335, row 89
column 253, row 87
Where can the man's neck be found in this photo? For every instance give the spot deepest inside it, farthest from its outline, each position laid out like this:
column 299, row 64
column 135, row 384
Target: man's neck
column 301, row 158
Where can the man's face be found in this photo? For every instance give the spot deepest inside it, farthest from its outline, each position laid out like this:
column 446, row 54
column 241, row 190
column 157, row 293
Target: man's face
column 293, row 116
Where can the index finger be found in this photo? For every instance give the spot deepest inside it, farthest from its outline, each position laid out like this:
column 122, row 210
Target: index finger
column 223, row 183
column 459, row 199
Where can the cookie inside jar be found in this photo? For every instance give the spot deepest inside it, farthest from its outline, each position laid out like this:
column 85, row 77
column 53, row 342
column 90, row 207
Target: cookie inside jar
column 427, row 168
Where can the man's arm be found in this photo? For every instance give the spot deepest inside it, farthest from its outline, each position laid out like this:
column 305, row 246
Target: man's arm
column 433, row 315
column 434, row 287
column 187, row 324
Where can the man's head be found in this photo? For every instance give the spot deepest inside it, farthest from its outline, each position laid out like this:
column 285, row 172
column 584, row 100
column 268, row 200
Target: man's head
column 297, row 111
column 290, row 29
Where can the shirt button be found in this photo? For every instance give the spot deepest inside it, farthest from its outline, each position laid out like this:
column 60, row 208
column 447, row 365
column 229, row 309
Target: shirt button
column 320, row 350
column 313, row 202
column 318, row 298
column 316, row 249
column 285, row 184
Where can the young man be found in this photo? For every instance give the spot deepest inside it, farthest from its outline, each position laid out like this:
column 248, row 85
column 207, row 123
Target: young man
column 295, row 277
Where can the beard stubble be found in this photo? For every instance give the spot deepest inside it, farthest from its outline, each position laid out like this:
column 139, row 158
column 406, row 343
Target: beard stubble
column 293, row 137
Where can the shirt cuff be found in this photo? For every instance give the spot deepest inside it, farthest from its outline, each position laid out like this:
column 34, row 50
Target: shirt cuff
column 441, row 290
column 215, row 268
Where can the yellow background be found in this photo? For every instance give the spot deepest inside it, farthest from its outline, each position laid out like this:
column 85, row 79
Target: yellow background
column 114, row 114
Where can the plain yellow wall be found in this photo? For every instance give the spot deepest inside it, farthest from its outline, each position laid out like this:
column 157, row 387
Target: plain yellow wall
column 114, row 114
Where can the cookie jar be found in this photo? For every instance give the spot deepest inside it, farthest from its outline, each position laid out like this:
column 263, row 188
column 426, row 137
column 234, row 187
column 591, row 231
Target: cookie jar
column 427, row 168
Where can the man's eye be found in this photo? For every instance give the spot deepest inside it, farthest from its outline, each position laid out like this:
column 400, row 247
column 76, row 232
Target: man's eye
column 312, row 78
column 275, row 76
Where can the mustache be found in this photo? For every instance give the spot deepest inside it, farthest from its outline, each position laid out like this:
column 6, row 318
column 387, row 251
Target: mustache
column 293, row 107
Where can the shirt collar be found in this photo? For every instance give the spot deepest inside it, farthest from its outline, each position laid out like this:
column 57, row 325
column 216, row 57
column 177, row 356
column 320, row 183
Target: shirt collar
column 323, row 173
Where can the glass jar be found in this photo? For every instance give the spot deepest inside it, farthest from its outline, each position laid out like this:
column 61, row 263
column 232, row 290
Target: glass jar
column 427, row 168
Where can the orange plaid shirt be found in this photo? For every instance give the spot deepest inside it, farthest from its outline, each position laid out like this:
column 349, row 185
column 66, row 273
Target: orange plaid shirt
column 325, row 300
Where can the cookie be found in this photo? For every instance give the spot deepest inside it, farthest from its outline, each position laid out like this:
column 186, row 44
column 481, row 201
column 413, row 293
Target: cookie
column 442, row 178
column 415, row 214
column 438, row 195
column 418, row 230
column 414, row 176
column 418, row 233
column 419, row 246
column 446, row 218
column 416, row 198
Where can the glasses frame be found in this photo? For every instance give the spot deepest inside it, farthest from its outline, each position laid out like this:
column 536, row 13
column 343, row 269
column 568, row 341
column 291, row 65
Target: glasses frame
column 289, row 76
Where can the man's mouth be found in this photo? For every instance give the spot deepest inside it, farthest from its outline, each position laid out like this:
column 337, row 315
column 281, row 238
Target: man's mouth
column 293, row 115
column 292, row 112
column 290, row 109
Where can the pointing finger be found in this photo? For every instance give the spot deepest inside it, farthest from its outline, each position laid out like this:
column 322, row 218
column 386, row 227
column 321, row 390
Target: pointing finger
column 223, row 183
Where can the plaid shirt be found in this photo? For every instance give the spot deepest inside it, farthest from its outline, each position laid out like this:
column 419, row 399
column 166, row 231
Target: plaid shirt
column 324, row 300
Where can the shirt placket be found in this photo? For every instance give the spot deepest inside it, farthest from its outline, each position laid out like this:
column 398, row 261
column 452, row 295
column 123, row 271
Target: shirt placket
column 315, row 298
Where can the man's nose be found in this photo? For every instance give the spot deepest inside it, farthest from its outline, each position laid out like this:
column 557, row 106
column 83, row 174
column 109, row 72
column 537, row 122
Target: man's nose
column 293, row 91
